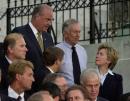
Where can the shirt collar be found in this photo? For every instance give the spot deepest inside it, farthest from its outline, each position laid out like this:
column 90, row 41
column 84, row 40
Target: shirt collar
column 13, row 94
column 68, row 45
column 35, row 31
column 109, row 71
column 8, row 59
column 50, row 70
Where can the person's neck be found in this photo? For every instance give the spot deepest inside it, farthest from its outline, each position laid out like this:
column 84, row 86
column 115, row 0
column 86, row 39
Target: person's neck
column 103, row 69
column 53, row 68
column 16, row 88
column 11, row 58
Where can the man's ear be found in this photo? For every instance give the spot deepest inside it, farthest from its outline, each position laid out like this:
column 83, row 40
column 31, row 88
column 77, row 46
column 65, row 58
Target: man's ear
column 57, row 62
column 18, row 76
column 10, row 49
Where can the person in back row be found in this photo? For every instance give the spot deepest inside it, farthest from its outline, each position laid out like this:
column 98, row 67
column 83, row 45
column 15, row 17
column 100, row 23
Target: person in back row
column 75, row 58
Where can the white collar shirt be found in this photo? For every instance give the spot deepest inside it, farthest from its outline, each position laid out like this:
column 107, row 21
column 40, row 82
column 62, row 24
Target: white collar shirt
column 13, row 94
column 67, row 66
column 8, row 59
column 103, row 77
column 35, row 31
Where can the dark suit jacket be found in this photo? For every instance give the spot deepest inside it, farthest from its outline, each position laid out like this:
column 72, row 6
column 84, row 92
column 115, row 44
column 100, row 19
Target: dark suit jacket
column 125, row 97
column 5, row 92
column 112, row 87
column 34, row 53
column 6, row 98
column 4, row 64
column 101, row 99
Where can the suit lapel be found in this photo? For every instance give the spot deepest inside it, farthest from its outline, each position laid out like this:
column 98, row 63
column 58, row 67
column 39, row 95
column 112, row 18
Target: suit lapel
column 30, row 35
column 107, row 80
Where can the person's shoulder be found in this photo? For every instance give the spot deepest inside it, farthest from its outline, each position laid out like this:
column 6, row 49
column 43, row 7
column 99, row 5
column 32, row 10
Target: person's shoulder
column 125, row 97
column 80, row 47
column 118, row 76
column 20, row 28
column 4, row 98
column 60, row 45
column 101, row 99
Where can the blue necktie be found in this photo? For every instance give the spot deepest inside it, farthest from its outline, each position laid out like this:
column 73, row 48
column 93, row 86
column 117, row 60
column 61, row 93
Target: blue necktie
column 76, row 66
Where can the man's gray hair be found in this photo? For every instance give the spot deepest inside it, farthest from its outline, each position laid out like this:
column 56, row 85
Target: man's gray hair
column 67, row 24
column 88, row 73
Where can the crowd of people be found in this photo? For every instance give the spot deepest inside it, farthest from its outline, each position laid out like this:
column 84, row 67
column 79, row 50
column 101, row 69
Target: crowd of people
column 34, row 69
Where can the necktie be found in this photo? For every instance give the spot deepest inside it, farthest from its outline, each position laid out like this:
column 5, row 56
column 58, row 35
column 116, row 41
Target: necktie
column 76, row 66
column 19, row 98
column 40, row 41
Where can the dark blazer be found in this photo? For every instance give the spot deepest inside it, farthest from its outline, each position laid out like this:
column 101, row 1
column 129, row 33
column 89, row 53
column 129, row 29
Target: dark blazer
column 34, row 53
column 6, row 98
column 101, row 99
column 125, row 97
column 4, row 64
column 5, row 92
column 112, row 87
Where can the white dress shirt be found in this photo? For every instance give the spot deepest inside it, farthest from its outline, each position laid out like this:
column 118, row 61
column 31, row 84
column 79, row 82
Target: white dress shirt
column 13, row 94
column 103, row 77
column 35, row 31
column 67, row 66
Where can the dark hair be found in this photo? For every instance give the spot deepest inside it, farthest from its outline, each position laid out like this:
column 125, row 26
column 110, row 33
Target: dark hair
column 51, row 54
column 52, row 77
column 52, row 88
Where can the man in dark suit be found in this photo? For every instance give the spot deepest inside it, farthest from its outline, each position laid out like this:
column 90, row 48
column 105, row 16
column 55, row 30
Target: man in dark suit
column 20, row 78
column 90, row 80
column 37, row 39
column 6, row 98
column 14, row 48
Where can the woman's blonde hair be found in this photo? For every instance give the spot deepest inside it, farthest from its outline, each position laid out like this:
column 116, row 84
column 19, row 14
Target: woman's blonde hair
column 112, row 54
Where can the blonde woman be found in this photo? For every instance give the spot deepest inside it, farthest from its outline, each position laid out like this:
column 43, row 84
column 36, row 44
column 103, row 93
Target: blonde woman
column 111, row 83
